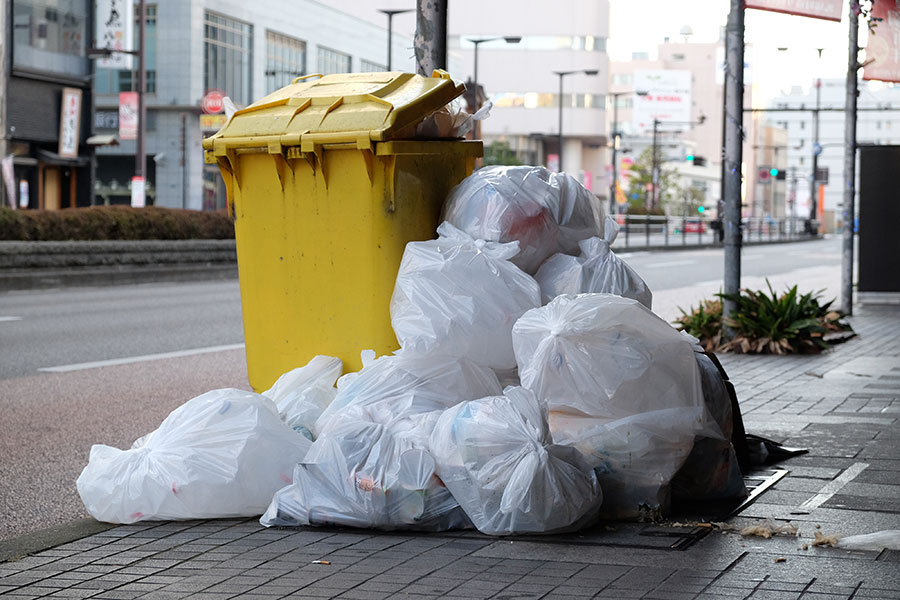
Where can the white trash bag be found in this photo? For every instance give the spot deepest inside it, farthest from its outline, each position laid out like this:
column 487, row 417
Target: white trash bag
column 496, row 457
column 393, row 388
column 458, row 296
column 597, row 269
column 303, row 393
column 362, row 474
column 221, row 454
column 545, row 212
column 622, row 386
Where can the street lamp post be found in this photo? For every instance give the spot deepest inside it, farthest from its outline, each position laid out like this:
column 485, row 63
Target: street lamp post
column 559, row 136
column 477, row 42
column 390, row 15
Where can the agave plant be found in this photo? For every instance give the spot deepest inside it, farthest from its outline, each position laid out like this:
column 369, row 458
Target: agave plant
column 764, row 322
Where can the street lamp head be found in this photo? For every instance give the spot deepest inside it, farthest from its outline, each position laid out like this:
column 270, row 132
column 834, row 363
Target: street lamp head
column 513, row 39
column 591, row 71
column 394, row 11
column 702, row 119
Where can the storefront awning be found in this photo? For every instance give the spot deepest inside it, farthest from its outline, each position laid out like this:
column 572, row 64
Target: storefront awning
column 52, row 158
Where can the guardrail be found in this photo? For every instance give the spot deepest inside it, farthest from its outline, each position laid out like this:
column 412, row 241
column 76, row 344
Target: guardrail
column 644, row 231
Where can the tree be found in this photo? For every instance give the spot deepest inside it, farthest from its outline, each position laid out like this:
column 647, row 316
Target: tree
column 640, row 177
column 500, row 153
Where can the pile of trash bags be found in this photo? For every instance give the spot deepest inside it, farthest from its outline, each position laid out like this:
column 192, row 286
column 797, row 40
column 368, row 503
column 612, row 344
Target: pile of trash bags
column 534, row 391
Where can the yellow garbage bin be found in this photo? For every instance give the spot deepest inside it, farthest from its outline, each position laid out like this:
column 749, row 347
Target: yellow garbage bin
column 326, row 185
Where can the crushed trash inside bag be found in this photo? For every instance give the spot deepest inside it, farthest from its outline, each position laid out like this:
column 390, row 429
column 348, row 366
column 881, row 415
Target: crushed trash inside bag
column 622, row 386
column 597, row 269
column 711, row 471
column 303, row 393
column 545, row 212
column 221, row 454
column 458, row 296
column 362, row 474
column 452, row 120
column 497, row 458
column 394, row 388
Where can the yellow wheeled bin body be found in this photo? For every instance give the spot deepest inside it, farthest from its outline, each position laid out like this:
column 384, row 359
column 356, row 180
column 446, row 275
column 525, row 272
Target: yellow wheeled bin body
column 326, row 187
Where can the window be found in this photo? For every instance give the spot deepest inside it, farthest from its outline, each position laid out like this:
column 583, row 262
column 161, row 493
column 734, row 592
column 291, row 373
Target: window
column 544, row 100
column 588, row 43
column 227, row 56
column 113, row 81
column 366, row 66
column 50, row 35
column 332, row 61
column 285, row 60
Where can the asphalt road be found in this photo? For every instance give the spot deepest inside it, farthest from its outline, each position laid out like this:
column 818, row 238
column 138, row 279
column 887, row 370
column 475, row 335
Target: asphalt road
column 121, row 358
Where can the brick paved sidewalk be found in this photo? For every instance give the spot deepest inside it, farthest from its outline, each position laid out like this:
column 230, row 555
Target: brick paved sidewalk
column 843, row 406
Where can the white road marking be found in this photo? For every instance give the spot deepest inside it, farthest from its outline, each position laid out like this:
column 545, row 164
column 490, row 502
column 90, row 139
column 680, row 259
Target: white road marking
column 135, row 359
column 10, row 318
column 671, row 263
column 831, row 488
column 710, row 282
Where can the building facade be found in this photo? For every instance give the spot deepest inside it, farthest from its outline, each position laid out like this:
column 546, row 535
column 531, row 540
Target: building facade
column 45, row 103
column 244, row 49
column 879, row 107
column 522, row 80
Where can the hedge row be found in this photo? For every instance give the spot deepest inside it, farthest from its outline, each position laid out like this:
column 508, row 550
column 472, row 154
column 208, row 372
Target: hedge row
column 114, row 223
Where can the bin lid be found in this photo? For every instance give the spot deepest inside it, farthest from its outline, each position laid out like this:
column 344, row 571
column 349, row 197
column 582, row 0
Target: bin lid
column 342, row 108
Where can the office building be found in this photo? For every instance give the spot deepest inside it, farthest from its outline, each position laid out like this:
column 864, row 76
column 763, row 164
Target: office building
column 244, row 49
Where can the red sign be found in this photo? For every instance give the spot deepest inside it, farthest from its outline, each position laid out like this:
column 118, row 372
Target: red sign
column 817, row 9
column 128, row 115
column 213, row 102
column 883, row 48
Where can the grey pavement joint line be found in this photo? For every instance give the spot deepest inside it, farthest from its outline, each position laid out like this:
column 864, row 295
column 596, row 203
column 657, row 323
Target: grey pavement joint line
column 832, row 487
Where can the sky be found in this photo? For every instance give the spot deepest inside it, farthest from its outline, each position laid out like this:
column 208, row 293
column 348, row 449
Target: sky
column 771, row 70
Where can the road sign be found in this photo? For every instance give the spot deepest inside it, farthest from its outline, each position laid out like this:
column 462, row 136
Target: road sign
column 765, row 175
column 213, row 102
column 817, row 148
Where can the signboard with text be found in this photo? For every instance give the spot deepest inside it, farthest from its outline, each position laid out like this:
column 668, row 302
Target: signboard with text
column 128, row 115
column 883, row 47
column 115, row 30
column 664, row 95
column 70, row 122
column 817, row 9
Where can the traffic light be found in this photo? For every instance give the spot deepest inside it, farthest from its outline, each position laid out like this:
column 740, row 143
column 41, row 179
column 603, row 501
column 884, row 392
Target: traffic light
column 699, row 161
column 689, row 158
column 701, row 209
column 773, row 172
column 782, row 175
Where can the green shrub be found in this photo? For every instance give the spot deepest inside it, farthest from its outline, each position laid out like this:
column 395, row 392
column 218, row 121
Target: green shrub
column 114, row 223
column 765, row 322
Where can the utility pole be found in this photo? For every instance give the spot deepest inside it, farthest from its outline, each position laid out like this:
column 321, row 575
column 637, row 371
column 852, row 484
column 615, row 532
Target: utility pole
column 5, row 35
column 615, row 147
column 140, row 155
column 654, row 168
column 431, row 36
column 816, row 149
column 734, row 120
column 849, row 208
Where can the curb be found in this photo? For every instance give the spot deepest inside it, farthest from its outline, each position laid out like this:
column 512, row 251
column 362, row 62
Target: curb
column 37, row 541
